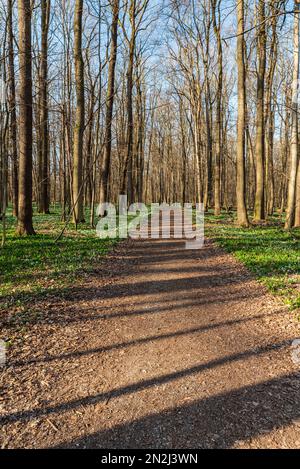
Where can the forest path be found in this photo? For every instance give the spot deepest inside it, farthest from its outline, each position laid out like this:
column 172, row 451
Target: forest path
column 178, row 349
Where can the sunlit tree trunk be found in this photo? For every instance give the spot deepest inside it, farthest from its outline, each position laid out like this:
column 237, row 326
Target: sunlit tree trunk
column 290, row 212
column 43, row 180
column 216, row 25
column 12, row 109
column 25, row 120
column 78, row 213
column 105, row 163
column 259, row 209
column 270, row 114
column 242, row 217
column 127, row 176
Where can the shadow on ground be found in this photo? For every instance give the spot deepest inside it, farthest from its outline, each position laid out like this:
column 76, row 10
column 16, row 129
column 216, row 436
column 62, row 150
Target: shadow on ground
column 216, row 422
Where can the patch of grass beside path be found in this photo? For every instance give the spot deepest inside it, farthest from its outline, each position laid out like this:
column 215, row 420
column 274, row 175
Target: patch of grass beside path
column 268, row 251
column 35, row 266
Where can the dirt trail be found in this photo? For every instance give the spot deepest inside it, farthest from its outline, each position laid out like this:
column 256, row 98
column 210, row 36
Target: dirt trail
column 178, row 349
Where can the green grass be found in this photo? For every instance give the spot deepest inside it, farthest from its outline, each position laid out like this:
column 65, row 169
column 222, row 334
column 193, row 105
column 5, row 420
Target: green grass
column 37, row 265
column 271, row 253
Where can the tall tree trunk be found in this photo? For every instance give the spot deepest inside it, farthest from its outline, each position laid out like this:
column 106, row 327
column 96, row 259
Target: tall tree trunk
column 129, row 140
column 259, row 209
column 105, row 163
column 25, row 126
column 43, row 179
column 12, row 109
column 242, row 217
column 216, row 26
column 270, row 115
column 78, row 213
column 140, row 113
column 270, row 164
column 290, row 212
column 208, row 116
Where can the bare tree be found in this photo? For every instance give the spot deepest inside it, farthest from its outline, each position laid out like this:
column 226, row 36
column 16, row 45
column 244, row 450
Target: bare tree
column 105, row 163
column 216, row 24
column 25, row 120
column 259, row 209
column 136, row 12
column 43, row 144
column 12, row 107
column 80, row 116
column 290, row 212
column 242, row 218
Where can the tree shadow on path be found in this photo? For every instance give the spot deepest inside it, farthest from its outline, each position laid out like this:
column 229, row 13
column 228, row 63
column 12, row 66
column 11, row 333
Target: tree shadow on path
column 215, row 422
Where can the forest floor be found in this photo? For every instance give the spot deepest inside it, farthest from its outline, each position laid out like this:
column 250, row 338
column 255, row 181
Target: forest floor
column 160, row 347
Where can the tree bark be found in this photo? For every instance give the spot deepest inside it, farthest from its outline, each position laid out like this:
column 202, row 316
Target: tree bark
column 290, row 212
column 216, row 25
column 105, row 163
column 259, row 209
column 12, row 110
column 242, row 217
column 78, row 212
column 25, row 226
column 127, row 174
column 43, row 179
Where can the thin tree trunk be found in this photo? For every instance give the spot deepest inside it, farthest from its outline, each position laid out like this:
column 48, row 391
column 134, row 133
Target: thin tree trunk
column 105, row 163
column 12, row 109
column 78, row 213
column 270, row 117
column 219, row 112
column 127, row 175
